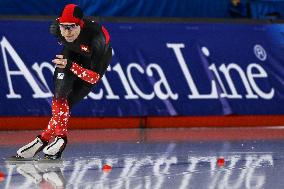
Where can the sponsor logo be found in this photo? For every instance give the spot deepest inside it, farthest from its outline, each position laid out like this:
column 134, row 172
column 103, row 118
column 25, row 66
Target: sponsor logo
column 220, row 83
column 60, row 75
column 84, row 48
column 259, row 52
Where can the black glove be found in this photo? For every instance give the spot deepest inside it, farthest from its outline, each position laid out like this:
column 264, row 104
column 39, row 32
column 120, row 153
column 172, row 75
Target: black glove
column 54, row 29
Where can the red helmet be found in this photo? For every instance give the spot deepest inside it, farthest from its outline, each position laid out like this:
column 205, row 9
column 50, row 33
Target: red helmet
column 72, row 14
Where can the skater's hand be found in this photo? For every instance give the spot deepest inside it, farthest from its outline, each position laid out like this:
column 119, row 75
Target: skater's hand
column 59, row 61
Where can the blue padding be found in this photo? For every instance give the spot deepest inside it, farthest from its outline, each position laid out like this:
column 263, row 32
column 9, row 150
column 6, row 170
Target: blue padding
column 157, row 69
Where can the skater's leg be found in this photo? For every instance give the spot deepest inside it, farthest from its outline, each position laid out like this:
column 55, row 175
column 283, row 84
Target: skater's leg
column 59, row 119
column 64, row 80
column 79, row 91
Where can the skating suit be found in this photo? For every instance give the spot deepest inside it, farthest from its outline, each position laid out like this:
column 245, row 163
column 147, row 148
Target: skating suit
column 87, row 60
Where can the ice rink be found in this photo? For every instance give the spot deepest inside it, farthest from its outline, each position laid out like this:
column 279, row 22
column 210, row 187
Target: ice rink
column 200, row 158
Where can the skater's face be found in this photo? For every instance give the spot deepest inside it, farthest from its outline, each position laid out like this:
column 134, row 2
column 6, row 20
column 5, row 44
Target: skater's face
column 70, row 31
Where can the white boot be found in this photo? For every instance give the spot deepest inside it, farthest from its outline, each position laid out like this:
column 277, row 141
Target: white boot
column 30, row 149
column 55, row 149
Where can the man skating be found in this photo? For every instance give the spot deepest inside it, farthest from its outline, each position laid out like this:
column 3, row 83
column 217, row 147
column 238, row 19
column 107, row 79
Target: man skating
column 83, row 61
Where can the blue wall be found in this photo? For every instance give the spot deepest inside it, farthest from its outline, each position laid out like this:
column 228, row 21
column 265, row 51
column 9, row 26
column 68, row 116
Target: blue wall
column 167, row 8
column 143, row 8
column 157, row 69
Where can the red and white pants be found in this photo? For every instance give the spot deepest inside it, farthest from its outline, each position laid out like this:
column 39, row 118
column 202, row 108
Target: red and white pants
column 57, row 125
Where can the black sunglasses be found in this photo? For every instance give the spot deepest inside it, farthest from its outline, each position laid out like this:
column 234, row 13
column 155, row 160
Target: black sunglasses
column 68, row 26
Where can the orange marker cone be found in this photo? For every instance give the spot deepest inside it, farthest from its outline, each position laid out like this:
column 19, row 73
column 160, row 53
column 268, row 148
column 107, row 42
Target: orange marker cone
column 221, row 161
column 2, row 176
column 106, row 168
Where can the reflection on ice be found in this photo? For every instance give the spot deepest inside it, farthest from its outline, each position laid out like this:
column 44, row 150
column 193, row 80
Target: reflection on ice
column 149, row 171
column 42, row 175
column 246, row 175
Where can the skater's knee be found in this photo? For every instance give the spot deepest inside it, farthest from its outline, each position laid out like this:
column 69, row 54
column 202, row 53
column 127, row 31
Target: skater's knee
column 59, row 95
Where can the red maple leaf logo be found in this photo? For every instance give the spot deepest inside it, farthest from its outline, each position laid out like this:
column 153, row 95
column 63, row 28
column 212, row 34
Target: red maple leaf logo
column 85, row 48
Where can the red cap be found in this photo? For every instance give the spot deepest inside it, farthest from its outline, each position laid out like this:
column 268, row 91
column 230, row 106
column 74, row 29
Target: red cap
column 72, row 14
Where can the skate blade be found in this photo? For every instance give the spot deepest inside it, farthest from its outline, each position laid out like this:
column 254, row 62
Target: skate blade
column 15, row 160
column 46, row 160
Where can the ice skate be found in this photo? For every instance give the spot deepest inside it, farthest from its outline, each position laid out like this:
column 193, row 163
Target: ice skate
column 28, row 151
column 54, row 150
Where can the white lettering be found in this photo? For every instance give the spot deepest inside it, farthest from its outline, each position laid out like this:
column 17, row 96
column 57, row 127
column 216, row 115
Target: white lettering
column 133, row 84
column 39, row 70
column 110, row 94
column 154, row 170
column 161, row 83
column 23, row 70
column 186, row 72
column 221, row 84
column 261, row 74
column 122, row 77
column 229, row 80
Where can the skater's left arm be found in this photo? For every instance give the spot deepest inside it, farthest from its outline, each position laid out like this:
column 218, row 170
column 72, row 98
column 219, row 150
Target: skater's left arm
column 83, row 73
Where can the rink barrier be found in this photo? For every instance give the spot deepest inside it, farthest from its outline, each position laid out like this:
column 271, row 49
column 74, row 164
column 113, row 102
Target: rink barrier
column 153, row 135
column 35, row 123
